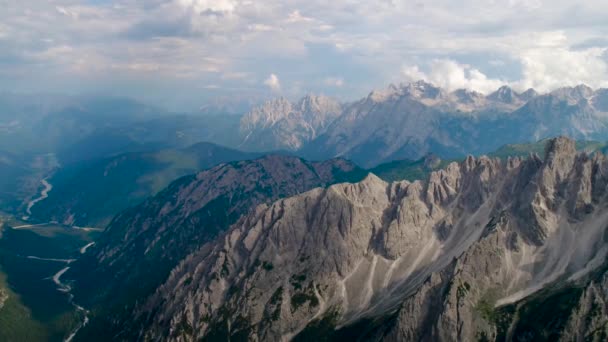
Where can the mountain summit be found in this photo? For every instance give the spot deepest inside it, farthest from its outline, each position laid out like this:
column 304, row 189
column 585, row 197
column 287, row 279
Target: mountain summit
column 282, row 125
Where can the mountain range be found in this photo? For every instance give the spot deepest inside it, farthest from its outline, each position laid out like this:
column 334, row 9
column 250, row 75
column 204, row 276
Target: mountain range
column 407, row 121
column 411, row 120
column 91, row 193
column 404, row 124
column 471, row 252
column 379, row 219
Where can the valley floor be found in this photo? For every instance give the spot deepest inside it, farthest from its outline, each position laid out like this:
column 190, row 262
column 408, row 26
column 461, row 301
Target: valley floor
column 36, row 305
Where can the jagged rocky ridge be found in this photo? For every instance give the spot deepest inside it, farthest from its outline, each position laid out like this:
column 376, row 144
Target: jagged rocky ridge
column 142, row 244
column 411, row 120
column 282, row 125
column 451, row 258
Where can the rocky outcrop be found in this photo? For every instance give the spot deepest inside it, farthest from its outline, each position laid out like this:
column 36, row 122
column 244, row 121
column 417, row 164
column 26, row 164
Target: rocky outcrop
column 282, row 125
column 439, row 258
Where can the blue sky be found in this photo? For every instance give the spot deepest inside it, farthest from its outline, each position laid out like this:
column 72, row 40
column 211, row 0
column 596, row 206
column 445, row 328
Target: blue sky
column 183, row 53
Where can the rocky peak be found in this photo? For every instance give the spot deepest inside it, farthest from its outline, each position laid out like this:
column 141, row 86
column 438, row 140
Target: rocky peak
column 468, row 96
column 268, row 113
column 574, row 94
column 422, row 90
column 559, row 147
column 318, row 103
column 560, row 154
column 504, row 94
column 318, row 110
column 280, row 124
column 528, row 94
column 384, row 94
column 584, row 90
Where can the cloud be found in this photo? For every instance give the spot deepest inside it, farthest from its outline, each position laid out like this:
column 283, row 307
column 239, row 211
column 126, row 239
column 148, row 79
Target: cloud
column 547, row 69
column 206, row 6
column 546, row 61
column 273, row 83
column 334, row 82
column 183, row 44
column 67, row 12
column 451, row 75
column 296, row 17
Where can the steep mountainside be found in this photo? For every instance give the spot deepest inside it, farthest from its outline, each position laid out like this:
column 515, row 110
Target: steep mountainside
column 469, row 254
column 410, row 121
column 160, row 232
column 91, row 193
column 280, row 124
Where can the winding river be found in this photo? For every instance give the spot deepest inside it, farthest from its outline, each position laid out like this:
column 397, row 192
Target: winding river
column 43, row 195
column 63, row 287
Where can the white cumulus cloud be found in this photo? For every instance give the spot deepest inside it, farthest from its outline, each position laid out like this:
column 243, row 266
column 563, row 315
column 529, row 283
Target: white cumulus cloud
column 547, row 69
column 451, row 75
column 546, row 61
column 334, row 82
column 273, row 82
column 208, row 5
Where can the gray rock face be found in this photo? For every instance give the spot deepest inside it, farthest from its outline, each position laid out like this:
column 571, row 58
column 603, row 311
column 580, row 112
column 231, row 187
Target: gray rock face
column 440, row 256
column 140, row 247
column 280, row 124
column 410, row 121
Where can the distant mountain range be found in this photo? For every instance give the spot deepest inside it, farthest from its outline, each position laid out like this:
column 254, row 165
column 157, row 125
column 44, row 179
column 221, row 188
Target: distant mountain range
column 88, row 128
column 411, row 120
column 407, row 121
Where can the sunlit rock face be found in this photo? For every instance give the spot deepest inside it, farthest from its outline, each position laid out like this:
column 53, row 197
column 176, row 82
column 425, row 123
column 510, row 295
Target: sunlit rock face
column 409, row 121
column 282, row 125
column 428, row 260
